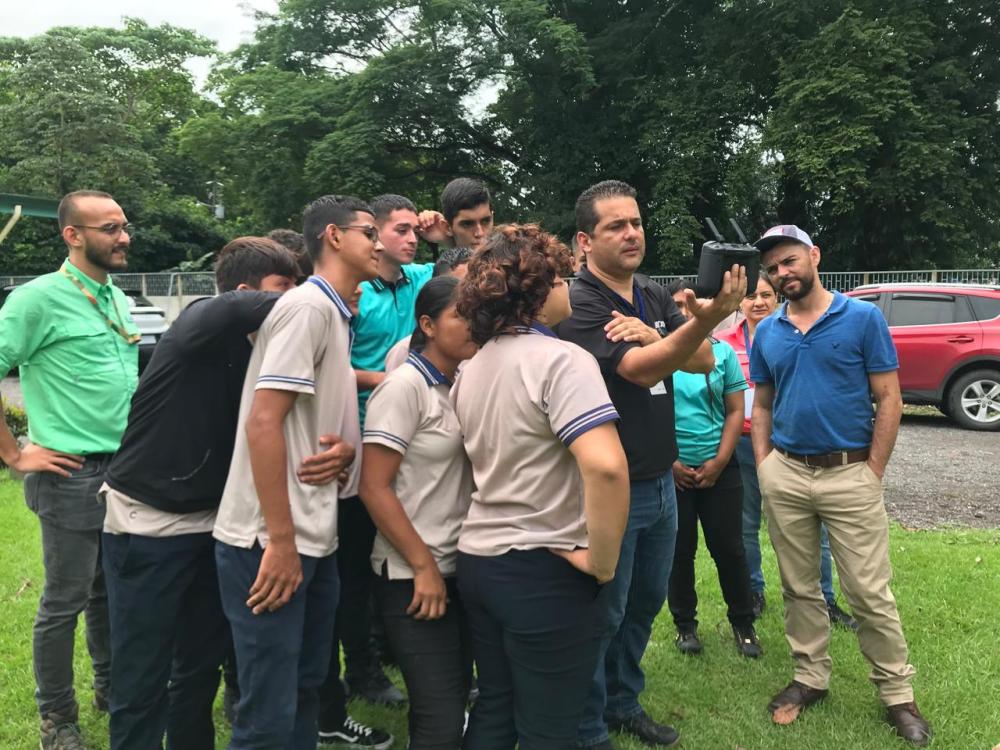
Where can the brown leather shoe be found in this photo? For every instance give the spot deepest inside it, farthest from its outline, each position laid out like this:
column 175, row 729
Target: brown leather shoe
column 786, row 705
column 909, row 724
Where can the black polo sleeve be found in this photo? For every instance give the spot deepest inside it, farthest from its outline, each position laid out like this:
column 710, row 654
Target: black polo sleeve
column 585, row 328
column 670, row 314
column 235, row 313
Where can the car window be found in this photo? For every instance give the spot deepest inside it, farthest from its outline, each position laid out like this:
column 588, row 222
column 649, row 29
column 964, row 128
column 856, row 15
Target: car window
column 927, row 309
column 985, row 308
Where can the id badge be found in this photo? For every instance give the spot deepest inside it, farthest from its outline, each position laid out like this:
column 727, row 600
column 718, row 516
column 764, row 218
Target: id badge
column 660, row 389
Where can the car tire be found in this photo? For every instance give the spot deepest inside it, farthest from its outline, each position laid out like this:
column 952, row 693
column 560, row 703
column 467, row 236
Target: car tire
column 973, row 400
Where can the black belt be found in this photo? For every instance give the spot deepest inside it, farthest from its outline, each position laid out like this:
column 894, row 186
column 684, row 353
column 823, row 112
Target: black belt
column 829, row 460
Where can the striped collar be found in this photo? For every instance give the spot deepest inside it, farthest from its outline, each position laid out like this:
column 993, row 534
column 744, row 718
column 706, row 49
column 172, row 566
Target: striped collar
column 379, row 284
column 432, row 375
column 536, row 328
column 330, row 292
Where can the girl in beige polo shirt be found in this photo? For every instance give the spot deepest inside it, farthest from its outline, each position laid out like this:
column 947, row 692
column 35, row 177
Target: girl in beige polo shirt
column 417, row 485
column 547, row 517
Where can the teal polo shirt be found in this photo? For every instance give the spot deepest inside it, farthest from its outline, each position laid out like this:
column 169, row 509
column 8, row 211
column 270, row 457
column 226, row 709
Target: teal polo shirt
column 700, row 405
column 385, row 315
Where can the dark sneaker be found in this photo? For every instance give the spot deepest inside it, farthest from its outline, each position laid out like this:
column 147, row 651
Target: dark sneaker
column 759, row 603
column 101, row 700
column 647, row 730
column 376, row 688
column 230, row 697
column 687, row 642
column 355, row 734
column 747, row 643
column 840, row 617
column 909, row 724
column 64, row 736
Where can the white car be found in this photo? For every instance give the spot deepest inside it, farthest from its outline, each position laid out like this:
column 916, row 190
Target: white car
column 151, row 321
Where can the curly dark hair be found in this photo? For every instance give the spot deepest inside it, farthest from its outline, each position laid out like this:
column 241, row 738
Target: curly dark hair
column 509, row 278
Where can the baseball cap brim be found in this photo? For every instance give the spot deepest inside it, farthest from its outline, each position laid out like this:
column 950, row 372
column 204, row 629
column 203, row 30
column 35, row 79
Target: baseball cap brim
column 766, row 243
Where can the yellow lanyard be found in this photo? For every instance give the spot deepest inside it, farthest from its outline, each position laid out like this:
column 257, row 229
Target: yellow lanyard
column 131, row 338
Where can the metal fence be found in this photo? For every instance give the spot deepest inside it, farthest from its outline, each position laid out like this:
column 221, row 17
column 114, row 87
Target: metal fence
column 845, row 281
column 150, row 284
column 200, row 284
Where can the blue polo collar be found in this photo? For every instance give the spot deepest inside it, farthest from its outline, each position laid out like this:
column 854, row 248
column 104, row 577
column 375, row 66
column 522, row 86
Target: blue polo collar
column 836, row 306
column 379, row 284
column 432, row 375
column 536, row 328
column 331, row 293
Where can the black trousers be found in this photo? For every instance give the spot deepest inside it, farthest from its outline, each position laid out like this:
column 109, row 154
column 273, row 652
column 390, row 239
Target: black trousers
column 533, row 619
column 435, row 657
column 168, row 637
column 353, row 627
column 720, row 510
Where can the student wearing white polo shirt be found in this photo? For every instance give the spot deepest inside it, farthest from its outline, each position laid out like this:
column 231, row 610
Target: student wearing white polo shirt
column 416, row 482
column 545, row 526
column 276, row 536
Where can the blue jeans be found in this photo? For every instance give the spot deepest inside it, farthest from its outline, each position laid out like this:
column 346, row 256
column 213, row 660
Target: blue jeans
column 168, row 637
column 629, row 604
column 281, row 656
column 751, row 526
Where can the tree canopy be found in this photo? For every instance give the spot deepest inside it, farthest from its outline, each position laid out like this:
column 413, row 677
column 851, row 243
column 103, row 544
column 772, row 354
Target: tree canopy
column 875, row 126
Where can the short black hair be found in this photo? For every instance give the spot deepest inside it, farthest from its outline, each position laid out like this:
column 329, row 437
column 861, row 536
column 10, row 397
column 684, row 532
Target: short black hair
column 296, row 243
column 67, row 206
column 436, row 296
column 289, row 238
column 451, row 259
column 384, row 205
column 462, row 193
column 326, row 210
column 679, row 285
column 586, row 213
column 247, row 260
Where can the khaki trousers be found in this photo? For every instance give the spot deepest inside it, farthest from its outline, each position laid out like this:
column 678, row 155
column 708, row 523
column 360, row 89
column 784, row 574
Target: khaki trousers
column 848, row 499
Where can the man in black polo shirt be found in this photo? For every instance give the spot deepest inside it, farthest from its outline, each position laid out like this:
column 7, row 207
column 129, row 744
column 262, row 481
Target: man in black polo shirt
column 168, row 632
column 639, row 338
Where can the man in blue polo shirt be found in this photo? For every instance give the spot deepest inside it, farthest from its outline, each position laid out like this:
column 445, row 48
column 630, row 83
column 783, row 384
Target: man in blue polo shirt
column 818, row 365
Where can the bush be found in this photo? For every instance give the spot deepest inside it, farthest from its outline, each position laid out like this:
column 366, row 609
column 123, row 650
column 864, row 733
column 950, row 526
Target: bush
column 17, row 421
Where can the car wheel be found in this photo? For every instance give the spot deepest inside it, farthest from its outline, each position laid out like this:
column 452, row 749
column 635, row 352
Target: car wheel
column 974, row 400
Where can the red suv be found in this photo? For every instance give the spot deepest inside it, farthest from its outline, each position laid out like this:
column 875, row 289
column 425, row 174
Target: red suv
column 948, row 340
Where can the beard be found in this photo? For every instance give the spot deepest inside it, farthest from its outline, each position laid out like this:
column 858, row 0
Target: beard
column 805, row 287
column 105, row 260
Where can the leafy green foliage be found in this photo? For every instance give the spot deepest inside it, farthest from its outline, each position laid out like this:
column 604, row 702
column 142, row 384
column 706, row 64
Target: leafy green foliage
column 874, row 125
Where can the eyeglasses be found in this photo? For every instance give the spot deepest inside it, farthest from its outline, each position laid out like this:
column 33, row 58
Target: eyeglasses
column 367, row 230
column 112, row 230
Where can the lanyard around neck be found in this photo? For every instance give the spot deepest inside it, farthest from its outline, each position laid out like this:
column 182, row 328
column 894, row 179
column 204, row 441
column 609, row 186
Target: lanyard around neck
column 130, row 338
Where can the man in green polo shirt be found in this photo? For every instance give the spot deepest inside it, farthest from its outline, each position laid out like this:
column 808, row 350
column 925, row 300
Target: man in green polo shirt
column 71, row 334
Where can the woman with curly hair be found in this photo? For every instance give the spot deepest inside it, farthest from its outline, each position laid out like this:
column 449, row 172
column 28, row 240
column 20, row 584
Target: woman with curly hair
column 546, row 521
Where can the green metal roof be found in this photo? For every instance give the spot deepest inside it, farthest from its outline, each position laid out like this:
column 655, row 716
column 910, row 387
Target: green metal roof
column 31, row 205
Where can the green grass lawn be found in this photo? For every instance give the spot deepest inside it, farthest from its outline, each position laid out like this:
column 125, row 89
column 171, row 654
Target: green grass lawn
column 947, row 584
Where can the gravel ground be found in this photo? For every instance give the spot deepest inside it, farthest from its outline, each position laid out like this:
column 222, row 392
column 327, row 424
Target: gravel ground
column 939, row 475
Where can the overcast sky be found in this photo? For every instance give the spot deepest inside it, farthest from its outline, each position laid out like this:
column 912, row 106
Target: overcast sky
column 225, row 21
